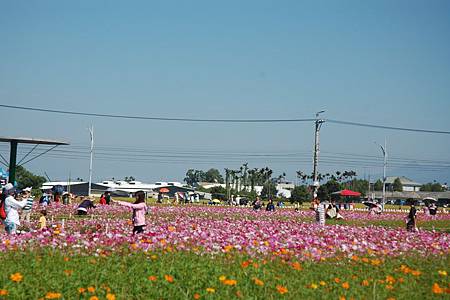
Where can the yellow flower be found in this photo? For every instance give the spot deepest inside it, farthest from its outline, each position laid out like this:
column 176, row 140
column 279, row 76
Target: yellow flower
column 337, row 280
column 281, row 289
column 93, row 298
column 91, row 289
column 389, row 287
column 171, row 228
column 210, row 290
column 375, row 262
column 81, row 290
column 196, row 296
column 323, row 283
column 416, row 273
column 153, row 257
column 222, row 278
column 437, row 289
column 313, row 286
column 16, row 277
column 168, row 278
column 52, row 295
column 66, row 259
column 390, row 298
column 152, row 278
column 346, row 285
column 365, row 283
column 3, row 292
column 229, row 282
column 110, row 296
column 341, row 298
column 258, row 282
column 442, row 273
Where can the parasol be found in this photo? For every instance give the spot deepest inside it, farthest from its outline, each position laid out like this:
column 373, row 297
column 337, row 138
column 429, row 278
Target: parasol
column 347, row 193
column 163, row 190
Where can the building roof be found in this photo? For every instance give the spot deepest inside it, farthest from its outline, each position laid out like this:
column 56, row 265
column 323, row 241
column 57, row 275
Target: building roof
column 404, row 181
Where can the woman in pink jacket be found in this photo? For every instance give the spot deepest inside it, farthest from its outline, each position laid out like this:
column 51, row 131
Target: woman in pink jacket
column 139, row 209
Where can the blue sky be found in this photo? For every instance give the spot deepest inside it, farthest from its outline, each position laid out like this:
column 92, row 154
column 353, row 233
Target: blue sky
column 380, row 62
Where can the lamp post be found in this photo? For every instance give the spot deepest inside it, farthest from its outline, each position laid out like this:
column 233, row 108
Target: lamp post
column 91, row 132
column 384, row 150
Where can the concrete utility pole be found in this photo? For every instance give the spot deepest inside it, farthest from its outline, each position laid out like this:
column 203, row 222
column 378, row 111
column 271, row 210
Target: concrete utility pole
column 318, row 123
column 91, row 131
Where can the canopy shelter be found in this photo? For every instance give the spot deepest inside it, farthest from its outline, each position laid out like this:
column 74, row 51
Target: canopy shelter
column 347, row 193
column 13, row 152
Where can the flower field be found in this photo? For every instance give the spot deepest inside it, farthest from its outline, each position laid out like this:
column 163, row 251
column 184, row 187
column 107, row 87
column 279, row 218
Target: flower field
column 203, row 252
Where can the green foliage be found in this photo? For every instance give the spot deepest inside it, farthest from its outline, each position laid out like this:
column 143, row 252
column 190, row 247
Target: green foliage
column 217, row 190
column 269, row 191
column 25, row 179
column 432, row 187
column 300, row 194
column 213, row 175
column 397, row 185
column 358, row 185
column 129, row 179
column 53, row 271
column 194, row 176
column 378, row 186
column 325, row 190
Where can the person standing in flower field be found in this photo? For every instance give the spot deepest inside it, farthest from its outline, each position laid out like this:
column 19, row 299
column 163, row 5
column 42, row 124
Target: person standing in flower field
column 12, row 207
column 320, row 209
column 139, row 209
column 411, row 220
column 26, row 210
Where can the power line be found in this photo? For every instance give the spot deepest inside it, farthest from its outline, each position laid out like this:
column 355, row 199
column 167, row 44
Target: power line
column 156, row 118
column 387, row 127
column 222, row 120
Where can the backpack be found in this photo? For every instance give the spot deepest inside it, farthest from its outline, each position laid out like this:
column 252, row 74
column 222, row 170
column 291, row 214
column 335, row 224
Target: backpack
column 2, row 208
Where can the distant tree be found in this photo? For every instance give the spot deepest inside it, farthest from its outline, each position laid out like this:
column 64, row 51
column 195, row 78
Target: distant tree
column 217, row 190
column 378, row 186
column 129, row 179
column 25, row 179
column 213, row 175
column 358, row 185
column 397, row 185
column 432, row 187
column 325, row 190
column 193, row 177
column 269, row 190
column 300, row 194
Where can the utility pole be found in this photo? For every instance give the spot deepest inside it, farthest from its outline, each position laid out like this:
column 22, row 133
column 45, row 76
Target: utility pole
column 91, row 131
column 318, row 123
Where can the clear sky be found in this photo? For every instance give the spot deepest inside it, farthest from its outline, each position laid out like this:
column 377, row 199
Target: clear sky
column 380, row 62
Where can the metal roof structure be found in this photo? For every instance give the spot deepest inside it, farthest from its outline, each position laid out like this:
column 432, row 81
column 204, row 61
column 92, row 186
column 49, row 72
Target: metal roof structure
column 23, row 140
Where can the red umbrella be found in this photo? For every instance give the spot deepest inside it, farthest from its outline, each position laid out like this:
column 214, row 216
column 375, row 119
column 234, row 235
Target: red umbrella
column 163, row 190
column 347, row 193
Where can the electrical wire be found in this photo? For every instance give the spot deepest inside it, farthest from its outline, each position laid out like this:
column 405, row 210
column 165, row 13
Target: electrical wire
column 223, row 120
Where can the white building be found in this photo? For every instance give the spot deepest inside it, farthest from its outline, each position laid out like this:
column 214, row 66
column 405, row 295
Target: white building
column 407, row 184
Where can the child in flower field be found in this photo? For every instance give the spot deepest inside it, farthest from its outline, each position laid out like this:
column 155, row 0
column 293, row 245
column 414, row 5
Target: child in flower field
column 139, row 209
column 43, row 220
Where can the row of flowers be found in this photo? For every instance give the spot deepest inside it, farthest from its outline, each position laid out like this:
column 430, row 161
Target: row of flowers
column 219, row 230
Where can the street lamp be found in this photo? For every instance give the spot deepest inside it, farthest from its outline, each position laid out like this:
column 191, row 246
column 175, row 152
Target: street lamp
column 384, row 150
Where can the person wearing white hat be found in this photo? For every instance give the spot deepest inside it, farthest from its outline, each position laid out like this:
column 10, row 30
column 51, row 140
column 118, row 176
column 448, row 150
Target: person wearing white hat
column 11, row 207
